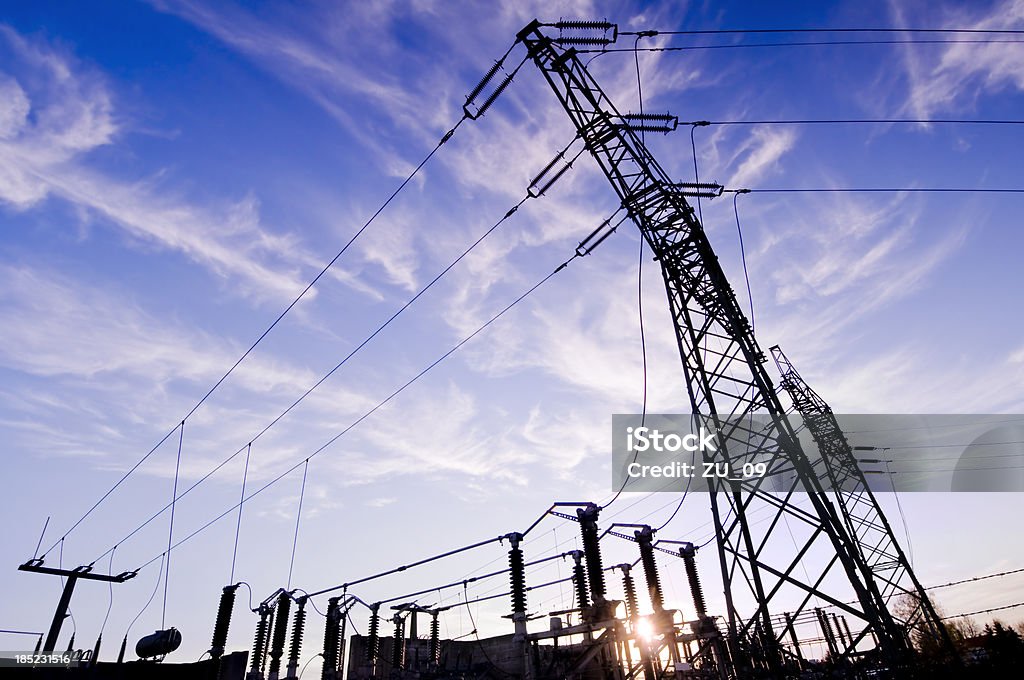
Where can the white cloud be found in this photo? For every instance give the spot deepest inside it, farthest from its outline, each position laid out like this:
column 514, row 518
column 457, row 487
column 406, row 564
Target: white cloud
column 48, row 154
column 760, row 155
column 956, row 76
column 40, row 310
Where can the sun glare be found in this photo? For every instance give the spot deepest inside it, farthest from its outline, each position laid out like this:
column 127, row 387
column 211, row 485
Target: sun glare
column 644, row 630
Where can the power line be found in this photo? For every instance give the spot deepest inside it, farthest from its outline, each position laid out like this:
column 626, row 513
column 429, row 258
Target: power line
column 805, row 43
column 976, row 578
column 884, row 29
column 298, row 518
column 380, row 328
column 985, row 611
column 930, row 470
column 909, row 190
column 448, row 135
column 380, row 404
column 860, row 121
column 935, row 446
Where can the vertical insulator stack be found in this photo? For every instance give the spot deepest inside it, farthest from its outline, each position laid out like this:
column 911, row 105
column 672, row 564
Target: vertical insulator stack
column 259, row 645
column 688, row 553
column 643, row 539
column 629, row 586
column 332, row 639
column 435, row 640
column 266, row 645
column 826, row 630
column 298, row 627
column 592, row 550
column 398, row 646
column 373, row 636
column 517, row 569
column 579, row 581
column 284, row 603
column 220, row 628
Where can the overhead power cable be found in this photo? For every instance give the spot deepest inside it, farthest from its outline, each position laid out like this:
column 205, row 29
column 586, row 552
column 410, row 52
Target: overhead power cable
column 448, row 135
column 541, row 184
column 639, row 278
column 580, row 252
column 976, row 578
column 985, row 611
column 444, row 139
column 170, row 529
column 298, row 519
column 859, row 121
column 805, row 43
column 935, row 446
column 868, row 190
column 858, row 29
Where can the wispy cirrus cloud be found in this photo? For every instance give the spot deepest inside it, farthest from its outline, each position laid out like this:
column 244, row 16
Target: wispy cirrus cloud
column 56, row 113
column 40, row 309
column 955, row 77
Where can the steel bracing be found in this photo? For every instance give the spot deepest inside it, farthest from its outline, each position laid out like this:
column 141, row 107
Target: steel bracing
column 795, row 553
column 859, row 508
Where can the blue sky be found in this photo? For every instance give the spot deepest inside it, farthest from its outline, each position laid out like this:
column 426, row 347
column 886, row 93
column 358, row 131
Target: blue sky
column 172, row 174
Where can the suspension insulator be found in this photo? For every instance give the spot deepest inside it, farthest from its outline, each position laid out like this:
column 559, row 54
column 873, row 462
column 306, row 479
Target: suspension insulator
column 284, row 603
column 592, row 550
column 373, row 636
column 332, row 639
column 643, row 539
column 398, row 644
column 220, row 628
column 688, row 554
column 629, row 586
column 579, row 580
column 586, row 32
column 259, row 645
column 518, row 579
column 493, row 96
column 435, row 640
column 483, row 82
column 298, row 626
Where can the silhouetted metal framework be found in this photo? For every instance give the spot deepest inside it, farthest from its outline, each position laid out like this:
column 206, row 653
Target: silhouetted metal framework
column 806, row 553
column 858, row 506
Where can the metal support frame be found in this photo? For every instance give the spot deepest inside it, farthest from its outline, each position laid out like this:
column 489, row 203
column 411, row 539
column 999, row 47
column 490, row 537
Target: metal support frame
column 725, row 376
column 72, row 576
column 881, row 552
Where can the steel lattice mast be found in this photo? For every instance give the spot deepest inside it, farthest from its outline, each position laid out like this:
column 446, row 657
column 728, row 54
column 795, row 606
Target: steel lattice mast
column 726, row 380
column 858, row 506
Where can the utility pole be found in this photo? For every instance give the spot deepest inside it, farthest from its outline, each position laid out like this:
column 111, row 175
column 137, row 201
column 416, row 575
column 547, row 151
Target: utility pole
column 72, row 576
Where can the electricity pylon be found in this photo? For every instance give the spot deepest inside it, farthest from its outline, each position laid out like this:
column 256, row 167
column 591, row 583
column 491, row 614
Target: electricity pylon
column 793, row 553
column 859, row 508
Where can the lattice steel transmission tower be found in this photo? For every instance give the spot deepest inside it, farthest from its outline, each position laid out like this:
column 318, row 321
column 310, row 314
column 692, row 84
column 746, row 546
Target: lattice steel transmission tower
column 859, row 508
column 774, row 549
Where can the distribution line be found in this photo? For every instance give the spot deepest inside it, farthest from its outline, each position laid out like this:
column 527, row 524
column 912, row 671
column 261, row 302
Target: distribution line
column 382, row 403
column 410, row 302
column 807, row 43
column 448, row 135
column 976, row 578
column 985, row 611
column 860, row 121
column 859, row 29
column 868, row 190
